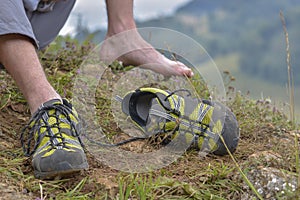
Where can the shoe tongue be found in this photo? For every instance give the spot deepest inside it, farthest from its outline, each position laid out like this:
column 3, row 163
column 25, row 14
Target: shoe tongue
column 46, row 104
column 51, row 102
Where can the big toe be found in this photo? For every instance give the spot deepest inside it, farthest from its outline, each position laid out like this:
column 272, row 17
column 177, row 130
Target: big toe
column 183, row 69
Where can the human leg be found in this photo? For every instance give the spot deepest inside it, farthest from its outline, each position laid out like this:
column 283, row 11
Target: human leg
column 20, row 34
column 120, row 19
column 54, row 126
column 58, row 150
column 18, row 55
column 47, row 25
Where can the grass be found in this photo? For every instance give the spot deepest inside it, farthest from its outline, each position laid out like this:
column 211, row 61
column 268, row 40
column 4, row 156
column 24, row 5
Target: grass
column 263, row 128
column 291, row 89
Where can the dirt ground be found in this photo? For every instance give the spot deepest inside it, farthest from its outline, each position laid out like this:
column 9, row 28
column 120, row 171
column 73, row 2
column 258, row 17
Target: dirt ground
column 261, row 130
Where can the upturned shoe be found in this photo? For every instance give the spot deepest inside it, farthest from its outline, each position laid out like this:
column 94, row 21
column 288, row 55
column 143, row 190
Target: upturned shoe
column 204, row 125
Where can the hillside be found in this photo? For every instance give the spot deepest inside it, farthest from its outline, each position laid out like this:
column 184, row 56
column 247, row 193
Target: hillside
column 264, row 166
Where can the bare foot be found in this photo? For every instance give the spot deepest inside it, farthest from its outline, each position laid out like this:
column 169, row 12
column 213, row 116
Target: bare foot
column 130, row 48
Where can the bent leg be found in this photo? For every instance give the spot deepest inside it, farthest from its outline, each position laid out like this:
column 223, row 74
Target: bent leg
column 47, row 25
column 18, row 55
column 13, row 19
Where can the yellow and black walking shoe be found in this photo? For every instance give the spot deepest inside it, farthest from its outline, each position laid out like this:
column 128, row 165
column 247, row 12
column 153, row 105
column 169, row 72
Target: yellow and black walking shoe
column 204, row 125
column 57, row 149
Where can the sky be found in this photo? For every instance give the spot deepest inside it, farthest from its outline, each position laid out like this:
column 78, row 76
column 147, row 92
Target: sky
column 93, row 12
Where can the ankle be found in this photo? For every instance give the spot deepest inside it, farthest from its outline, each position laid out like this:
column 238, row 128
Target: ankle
column 37, row 101
column 121, row 26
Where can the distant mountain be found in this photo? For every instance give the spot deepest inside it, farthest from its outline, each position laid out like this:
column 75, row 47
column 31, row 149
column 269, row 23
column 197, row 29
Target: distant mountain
column 253, row 29
column 250, row 8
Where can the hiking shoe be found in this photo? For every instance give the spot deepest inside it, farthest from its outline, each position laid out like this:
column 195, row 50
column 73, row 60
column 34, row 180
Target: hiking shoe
column 57, row 150
column 202, row 122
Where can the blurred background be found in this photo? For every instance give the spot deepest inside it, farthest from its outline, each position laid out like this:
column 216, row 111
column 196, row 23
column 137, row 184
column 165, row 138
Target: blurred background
column 245, row 38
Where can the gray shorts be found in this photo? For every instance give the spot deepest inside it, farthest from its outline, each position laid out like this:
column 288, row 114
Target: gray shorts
column 41, row 27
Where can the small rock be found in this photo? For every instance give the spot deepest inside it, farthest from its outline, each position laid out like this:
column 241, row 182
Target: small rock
column 271, row 182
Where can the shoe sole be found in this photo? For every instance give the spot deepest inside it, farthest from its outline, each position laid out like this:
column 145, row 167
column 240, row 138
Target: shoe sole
column 57, row 175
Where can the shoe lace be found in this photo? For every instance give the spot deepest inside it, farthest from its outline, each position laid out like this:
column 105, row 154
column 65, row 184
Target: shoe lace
column 190, row 124
column 39, row 121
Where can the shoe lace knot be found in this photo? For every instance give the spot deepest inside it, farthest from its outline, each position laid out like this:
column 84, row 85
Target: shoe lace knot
column 50, row 121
